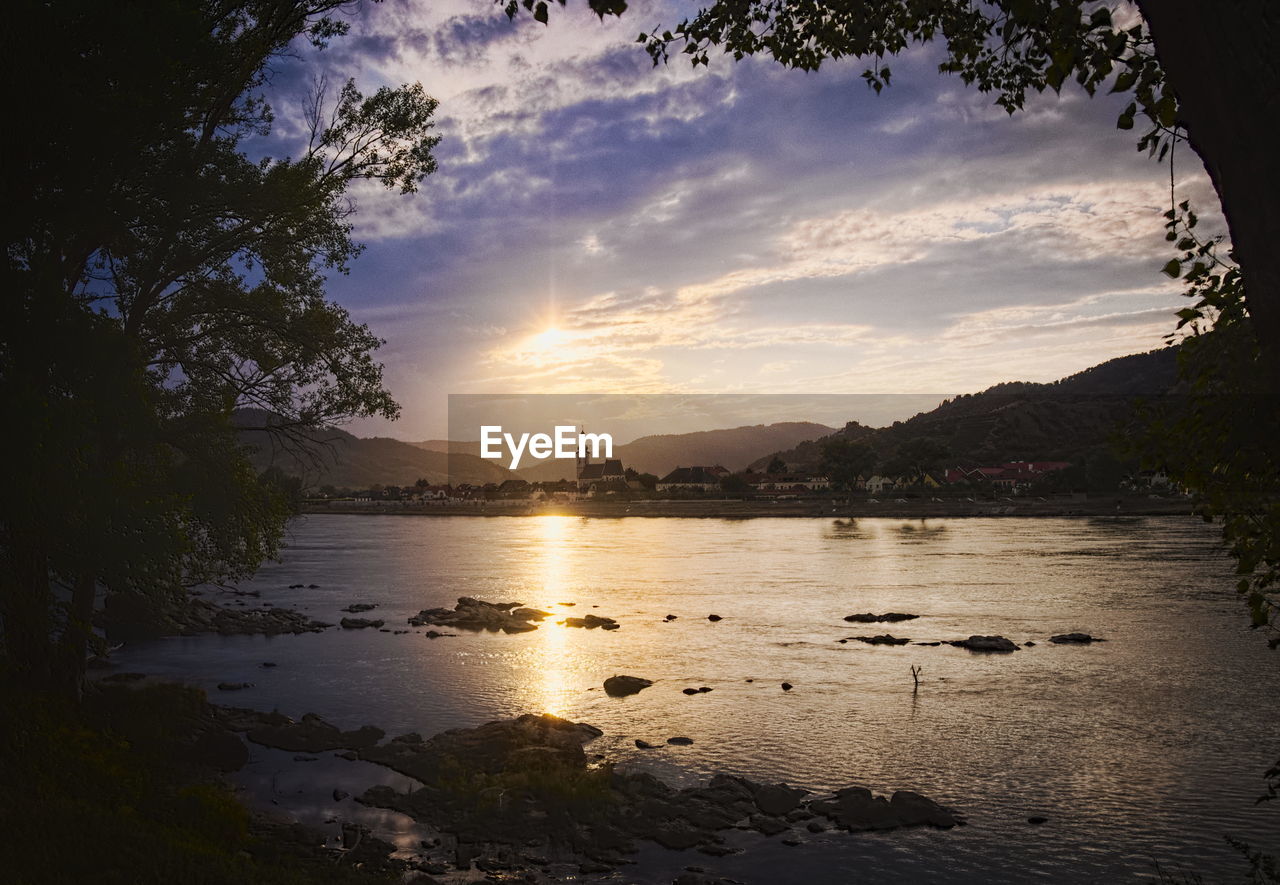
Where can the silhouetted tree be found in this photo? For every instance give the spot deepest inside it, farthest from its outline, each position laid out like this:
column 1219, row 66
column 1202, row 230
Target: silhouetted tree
column 844, row 461
column 157, row 278
column 915, row 458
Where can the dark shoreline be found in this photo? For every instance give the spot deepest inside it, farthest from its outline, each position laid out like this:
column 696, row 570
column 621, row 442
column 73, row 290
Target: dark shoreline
column 1099, row 507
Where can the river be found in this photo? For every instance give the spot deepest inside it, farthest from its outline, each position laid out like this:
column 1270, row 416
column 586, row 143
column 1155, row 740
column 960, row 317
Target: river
column 1143, row 749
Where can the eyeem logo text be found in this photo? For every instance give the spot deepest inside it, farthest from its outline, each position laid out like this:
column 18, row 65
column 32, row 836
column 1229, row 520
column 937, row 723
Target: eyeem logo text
column 565, row 442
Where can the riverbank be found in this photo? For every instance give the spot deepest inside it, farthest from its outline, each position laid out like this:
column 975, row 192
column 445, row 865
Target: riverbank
column 960, row 508
column 131, row 787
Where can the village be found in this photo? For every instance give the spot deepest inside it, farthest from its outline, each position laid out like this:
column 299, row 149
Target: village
column 610, row 479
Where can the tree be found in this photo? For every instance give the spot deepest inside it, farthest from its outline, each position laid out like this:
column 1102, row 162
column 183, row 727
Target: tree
column 734, row 486
column 916, row 457
column 159, row 276
column 776, row 465
column 845, row 461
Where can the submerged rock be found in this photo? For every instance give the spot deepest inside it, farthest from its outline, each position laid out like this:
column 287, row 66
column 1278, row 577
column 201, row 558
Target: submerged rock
column 234, row 686
column 520, row 793
column 986, row 643
column 476, row 614
column 887, row 617
column 312, row 735
column 621, row 686
column 356, row 608
column 1075, row 638
column 590, row 622
column 531, row 741
column 130, row 616
column 882, row 639
column 359, row 623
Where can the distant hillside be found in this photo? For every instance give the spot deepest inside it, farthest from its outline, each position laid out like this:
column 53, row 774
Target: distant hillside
column 443, row 445
column 660, row 454
column 1064, row 420
column 343, row 460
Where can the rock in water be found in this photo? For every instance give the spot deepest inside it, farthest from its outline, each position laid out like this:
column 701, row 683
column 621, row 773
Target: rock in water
column 887, row 617
column 985, row 643
column 680, row 741
column 313, row 735
column 787, row 686
column 777, row 799
column 882, row 639
column 1075, row 639
column 356, row 608
column 714, row 618
column 590, row 622
column 627, row 806
column 476, row 614
column 359, row 623
column 621, row 686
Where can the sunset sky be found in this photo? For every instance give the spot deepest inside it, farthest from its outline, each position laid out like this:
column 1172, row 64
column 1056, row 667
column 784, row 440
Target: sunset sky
column 599, row 225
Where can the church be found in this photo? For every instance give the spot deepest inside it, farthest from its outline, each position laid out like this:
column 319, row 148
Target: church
column 600, row 475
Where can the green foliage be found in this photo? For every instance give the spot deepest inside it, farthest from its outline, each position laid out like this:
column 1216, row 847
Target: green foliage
column 845, row 461
column 1220, row 437
column 734, row 486
column 1007, row 48
column 916, row 457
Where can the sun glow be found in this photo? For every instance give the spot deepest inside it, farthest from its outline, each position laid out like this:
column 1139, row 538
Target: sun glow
column 553, row 649
column 549, row 338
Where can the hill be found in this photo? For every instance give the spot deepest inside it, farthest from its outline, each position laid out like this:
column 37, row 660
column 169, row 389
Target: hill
column 1066, row 420
column 661, row 453
column 341, row 459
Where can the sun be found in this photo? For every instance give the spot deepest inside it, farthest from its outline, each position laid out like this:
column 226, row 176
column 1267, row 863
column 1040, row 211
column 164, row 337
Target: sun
column 549, row 338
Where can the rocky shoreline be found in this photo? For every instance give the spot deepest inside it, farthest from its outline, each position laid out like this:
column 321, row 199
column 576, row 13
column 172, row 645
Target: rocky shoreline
column 130, row 618
column 521, row 799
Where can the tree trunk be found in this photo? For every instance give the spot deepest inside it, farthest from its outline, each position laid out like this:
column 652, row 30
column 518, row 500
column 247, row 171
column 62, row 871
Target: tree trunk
column 75, row 638
column 1222, row 62
column 26, row 607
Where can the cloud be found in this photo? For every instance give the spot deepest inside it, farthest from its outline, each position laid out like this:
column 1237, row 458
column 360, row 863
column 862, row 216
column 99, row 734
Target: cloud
column 719, row 229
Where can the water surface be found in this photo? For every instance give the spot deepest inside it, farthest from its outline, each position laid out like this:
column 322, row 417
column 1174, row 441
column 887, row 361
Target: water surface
column 1147, row 747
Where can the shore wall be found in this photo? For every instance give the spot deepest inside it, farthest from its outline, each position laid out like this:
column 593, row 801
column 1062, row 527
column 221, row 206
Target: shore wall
column 1101, row 506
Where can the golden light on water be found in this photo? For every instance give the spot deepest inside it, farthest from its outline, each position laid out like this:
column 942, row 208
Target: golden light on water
column 548, row 659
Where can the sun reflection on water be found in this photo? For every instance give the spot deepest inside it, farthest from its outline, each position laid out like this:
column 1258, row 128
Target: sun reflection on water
column 551, row 568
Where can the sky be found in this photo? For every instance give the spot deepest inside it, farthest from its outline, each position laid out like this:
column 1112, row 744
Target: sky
column 602, row 225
